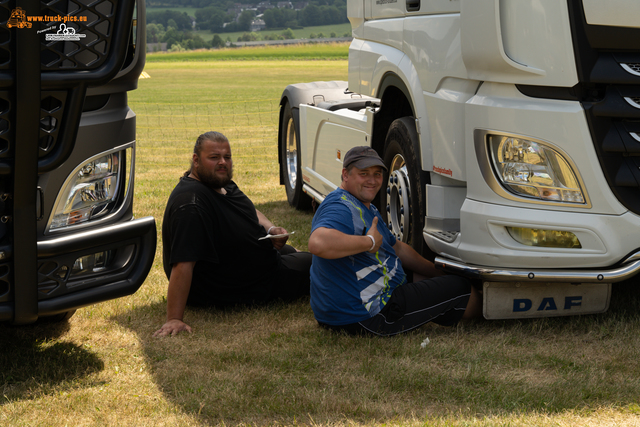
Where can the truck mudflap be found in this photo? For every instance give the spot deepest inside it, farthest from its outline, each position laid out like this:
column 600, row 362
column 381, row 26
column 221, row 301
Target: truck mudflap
column 506, row 300
column 92, row 266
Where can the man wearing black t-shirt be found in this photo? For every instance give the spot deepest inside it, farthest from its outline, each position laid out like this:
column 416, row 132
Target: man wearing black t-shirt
column 212, row 253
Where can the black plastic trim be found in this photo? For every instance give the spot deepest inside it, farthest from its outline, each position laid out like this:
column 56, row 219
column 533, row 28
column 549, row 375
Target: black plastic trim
column 142, row 231
column 551, row 92
column 25, row 176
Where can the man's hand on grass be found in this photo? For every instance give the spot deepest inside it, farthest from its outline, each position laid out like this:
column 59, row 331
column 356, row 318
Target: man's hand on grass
column 172, row 327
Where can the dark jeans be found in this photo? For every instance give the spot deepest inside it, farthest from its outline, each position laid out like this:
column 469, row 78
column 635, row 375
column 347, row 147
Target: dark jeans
column 293, row 280
column 290, row 282
column 441, row 300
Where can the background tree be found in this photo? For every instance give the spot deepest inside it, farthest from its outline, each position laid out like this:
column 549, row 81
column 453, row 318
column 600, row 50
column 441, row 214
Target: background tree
column 155, row 32
column 288, row 34
column 249, row 37
column 311, row 16
column 245, row 19
column 212, row 18
column 180, row 20
column 217, row 42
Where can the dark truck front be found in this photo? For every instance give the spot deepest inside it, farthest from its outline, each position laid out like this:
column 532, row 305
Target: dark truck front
column 68, row 237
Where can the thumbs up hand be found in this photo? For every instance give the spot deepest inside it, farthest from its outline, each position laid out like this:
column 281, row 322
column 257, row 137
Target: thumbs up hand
column 373, row 231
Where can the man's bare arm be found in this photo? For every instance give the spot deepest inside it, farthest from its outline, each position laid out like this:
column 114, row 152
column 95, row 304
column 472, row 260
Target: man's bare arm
column 264, row 221
column 332, row 244
column 413, row 261
column 179, row 286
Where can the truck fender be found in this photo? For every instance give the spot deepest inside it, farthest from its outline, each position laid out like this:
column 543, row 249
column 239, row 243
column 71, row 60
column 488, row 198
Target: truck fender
column 304, row 93
column 405, row 79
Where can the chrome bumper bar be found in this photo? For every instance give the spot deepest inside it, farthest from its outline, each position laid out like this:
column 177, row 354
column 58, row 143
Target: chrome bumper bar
column 627, row 269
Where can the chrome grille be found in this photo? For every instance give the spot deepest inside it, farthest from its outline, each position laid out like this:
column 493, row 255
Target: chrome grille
column 634, row 101
column 633, row 68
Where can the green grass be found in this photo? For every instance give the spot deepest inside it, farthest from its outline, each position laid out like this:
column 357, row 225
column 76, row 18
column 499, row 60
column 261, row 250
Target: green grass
column 316, row 51
column 273, row 365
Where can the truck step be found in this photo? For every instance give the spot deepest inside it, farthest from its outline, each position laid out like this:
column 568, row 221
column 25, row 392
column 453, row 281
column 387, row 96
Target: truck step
column 447, row 236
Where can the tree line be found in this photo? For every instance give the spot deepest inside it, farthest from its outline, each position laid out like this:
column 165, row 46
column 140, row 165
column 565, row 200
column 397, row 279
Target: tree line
column 185, row 40
column 215, row 16
column 174, row 28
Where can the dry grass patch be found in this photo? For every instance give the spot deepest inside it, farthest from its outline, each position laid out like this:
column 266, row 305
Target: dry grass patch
column 274, row 365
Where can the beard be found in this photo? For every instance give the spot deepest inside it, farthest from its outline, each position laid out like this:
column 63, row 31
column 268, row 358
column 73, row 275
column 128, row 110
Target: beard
column 211, row 180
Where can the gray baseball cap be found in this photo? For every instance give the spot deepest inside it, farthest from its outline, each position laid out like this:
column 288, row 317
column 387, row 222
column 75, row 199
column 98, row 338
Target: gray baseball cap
column 362, row 158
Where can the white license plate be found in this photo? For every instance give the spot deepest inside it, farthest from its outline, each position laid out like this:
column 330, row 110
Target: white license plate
column 508, row 300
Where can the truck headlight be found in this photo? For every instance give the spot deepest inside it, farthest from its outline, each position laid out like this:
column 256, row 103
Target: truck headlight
column 534, row 169
column 92, row 190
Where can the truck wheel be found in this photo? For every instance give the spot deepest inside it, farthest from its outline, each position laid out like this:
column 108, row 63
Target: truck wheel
column 290, row 159
column 402, row 196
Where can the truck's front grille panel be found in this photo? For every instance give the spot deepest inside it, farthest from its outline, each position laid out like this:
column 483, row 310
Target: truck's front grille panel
column 609, row 90
column 5, row 280
column 79, row 45
column 614, row 121
column 93, row 34
column 6, row 35
column 6, row 124
column 51, row 276
column 51, row 118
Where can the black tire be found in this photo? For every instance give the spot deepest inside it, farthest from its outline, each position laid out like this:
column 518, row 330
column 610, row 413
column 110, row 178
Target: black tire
column 403, row 210
column 290, row 162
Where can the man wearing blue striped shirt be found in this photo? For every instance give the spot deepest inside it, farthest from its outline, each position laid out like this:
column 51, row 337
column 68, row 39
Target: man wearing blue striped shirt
column 358, row 282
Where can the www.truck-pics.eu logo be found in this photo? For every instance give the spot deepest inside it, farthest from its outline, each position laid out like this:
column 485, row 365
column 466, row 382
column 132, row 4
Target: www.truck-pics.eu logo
column 65, row 32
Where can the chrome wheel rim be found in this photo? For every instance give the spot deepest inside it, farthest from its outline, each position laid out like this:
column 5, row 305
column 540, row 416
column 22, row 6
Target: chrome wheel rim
column 291, row 154
column 399, row 199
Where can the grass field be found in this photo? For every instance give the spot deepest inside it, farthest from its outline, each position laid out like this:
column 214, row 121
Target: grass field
column 273, row 365
column 319, row 51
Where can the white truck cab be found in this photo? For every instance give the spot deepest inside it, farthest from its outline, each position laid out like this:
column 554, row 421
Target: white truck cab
column 511, row 130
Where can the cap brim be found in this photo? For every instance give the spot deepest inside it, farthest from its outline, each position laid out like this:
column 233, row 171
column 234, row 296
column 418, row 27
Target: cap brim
column 367, row 163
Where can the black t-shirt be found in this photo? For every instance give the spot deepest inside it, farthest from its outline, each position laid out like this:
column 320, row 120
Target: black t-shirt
column 219, row 232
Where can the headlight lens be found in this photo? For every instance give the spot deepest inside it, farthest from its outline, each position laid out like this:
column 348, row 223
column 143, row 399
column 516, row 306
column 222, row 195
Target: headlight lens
column 89, row 191
column 533, row 169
